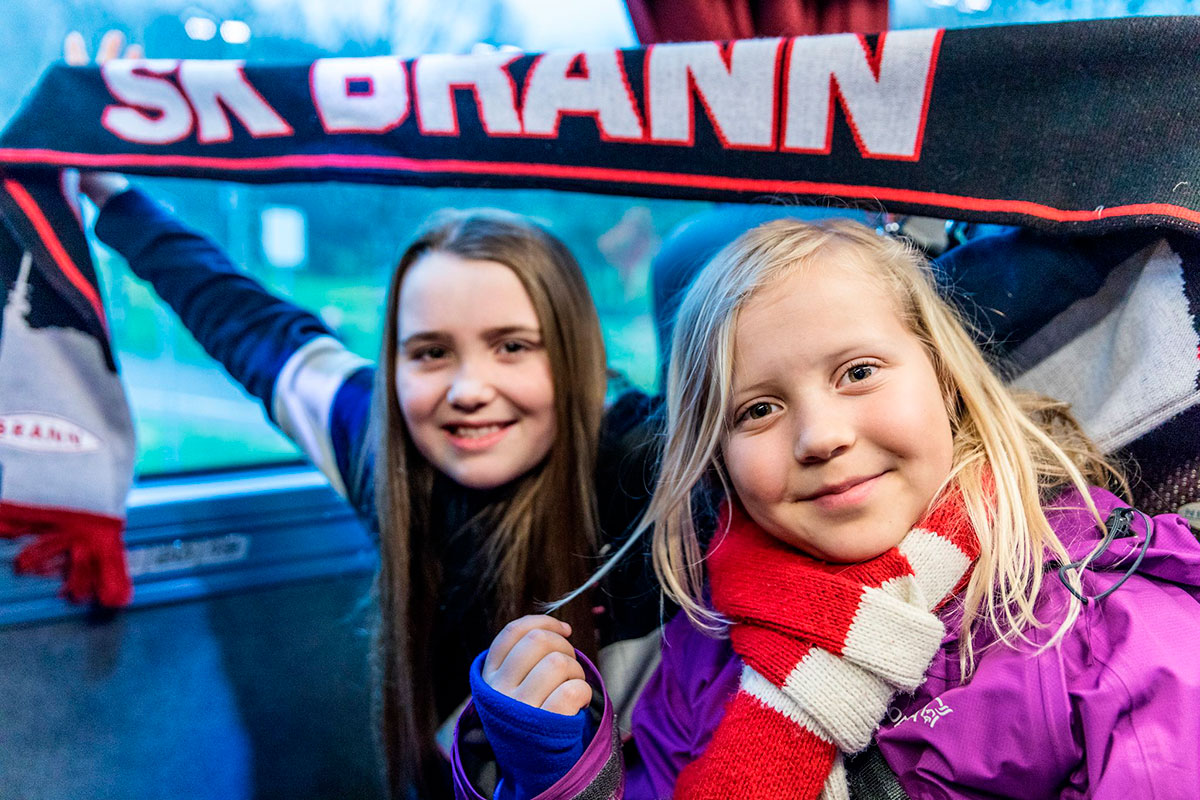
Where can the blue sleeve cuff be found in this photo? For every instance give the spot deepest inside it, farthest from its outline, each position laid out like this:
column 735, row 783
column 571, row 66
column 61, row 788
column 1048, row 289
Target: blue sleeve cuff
column 533, row 747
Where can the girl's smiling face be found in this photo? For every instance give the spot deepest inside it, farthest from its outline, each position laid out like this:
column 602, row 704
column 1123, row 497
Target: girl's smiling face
column 472, row 374
column 839, row 435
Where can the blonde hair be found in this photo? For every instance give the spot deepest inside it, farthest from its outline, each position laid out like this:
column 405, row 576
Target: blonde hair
column 1032, row 445
column 538, row 534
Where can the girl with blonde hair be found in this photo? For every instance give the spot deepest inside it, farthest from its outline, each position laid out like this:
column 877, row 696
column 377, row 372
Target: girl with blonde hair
column 907, row 554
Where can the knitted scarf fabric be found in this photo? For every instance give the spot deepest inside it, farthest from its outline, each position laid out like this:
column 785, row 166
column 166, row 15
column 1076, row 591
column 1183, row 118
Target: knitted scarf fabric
column 825, row 647
column 66, row 435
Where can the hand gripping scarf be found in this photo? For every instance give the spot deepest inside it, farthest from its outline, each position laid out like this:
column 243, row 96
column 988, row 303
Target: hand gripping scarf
column 825, row 647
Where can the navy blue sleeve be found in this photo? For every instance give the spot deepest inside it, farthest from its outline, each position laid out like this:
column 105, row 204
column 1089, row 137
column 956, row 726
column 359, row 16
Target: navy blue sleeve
column 250, row 331
column 533, row 747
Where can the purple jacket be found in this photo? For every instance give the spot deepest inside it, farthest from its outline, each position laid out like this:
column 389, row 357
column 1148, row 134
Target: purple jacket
column 1112, row 712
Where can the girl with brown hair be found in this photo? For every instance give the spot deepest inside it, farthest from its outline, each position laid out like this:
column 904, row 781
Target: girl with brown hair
column 477, row 450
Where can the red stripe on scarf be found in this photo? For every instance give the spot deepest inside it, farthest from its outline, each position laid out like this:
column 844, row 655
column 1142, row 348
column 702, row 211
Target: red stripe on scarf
column 752, row 729
column 753, row 577
column 55, row 247
column 784, row 605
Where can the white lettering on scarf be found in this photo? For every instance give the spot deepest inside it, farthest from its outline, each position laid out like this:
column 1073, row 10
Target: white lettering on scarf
column 885, row 94
column 45, row 433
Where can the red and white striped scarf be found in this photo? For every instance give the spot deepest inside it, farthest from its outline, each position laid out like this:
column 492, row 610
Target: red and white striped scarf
column 825, row 647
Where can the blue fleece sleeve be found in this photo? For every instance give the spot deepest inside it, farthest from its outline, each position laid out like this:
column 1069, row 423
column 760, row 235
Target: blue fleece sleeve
column 533, row 747
column 250, row 331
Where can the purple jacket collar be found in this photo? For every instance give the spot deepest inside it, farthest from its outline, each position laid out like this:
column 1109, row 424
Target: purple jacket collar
column 1098, row 715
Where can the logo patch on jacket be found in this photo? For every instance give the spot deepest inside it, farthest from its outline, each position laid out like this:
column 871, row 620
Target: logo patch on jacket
column 45, row 433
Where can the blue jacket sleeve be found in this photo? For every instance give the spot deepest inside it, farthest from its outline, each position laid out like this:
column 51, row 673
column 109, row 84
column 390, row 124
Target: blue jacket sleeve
column 250, row 331
column 533, row 747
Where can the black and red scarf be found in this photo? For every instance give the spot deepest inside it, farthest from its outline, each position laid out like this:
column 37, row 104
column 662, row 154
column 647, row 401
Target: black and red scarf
column 66, row 435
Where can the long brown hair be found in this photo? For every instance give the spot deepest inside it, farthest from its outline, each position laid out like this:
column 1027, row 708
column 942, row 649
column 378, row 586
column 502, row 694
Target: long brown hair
column 537, row 540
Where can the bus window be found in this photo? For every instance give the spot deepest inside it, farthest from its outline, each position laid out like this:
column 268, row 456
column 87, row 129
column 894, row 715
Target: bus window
column 330, row 248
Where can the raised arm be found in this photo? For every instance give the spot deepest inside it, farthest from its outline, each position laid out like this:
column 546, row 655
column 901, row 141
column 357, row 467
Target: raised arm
column 311, row 386
column 235, row 319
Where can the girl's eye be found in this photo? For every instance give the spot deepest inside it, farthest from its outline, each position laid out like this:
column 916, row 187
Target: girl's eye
column 859, row 372
column 430, row 353
column 757, row 411
column 518, row 347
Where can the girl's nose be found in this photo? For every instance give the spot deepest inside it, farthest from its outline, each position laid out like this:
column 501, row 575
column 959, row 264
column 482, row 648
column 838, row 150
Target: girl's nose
column 822, row 432
column 470, row 389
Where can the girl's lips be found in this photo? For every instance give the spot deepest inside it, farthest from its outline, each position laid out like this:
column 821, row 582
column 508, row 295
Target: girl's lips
column 476, row 441
column 849, row 497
